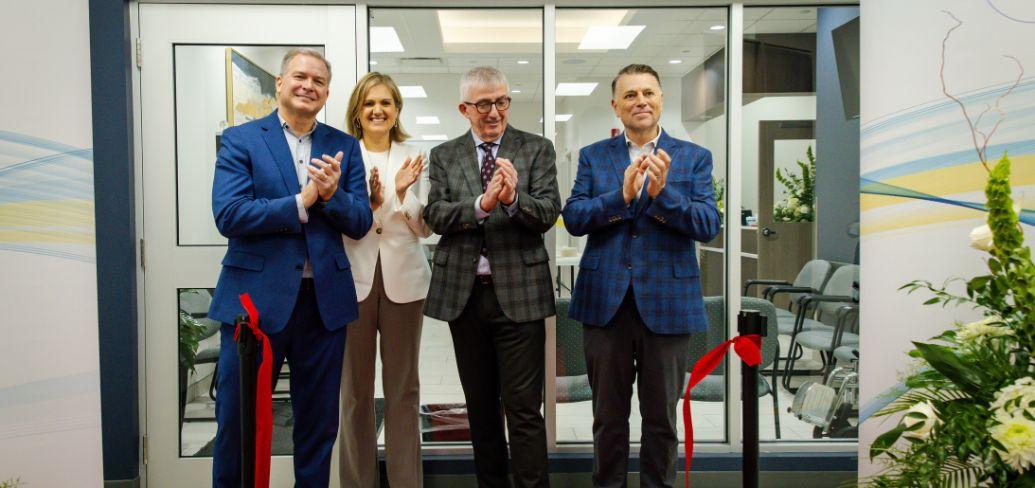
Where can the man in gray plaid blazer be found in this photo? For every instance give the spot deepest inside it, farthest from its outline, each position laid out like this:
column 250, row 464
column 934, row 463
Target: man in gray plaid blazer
column 493, row 195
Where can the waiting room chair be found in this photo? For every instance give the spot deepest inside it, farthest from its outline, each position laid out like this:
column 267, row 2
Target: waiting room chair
column 572, row 383
column 831, row 317
column 713, row 388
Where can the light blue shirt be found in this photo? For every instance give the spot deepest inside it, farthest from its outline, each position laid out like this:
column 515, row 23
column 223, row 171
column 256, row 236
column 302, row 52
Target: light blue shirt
column 301, row 147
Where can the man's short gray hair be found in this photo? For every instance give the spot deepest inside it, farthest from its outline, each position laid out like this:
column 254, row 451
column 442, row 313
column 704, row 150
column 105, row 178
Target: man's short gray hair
column 304, row 51
column 481, row 76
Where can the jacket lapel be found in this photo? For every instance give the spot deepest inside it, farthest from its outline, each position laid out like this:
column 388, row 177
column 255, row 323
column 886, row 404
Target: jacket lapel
column 618, row 153
column 470, row 169
column 273, row 134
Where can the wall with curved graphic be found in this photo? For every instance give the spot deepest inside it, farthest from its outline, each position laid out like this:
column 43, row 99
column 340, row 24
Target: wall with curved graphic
column 921, row 178
column 50, row 427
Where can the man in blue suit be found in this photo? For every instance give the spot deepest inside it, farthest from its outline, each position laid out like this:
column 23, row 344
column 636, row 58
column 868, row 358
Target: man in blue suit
column 643, row 198
column 284, row 203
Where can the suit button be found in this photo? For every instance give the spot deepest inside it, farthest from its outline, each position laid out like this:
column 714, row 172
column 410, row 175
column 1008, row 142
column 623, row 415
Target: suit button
column 299, row 267
column 629, row 266
column 635, row 234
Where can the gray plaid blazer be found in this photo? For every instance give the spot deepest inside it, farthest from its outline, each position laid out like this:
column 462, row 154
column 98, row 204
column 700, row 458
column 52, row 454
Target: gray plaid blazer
column 519, row 261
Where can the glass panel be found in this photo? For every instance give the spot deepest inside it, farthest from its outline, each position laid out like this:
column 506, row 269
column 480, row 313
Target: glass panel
column 198, row 347
column 686, row 46
column 426, row 51
column 216, row 87
column 800, row 199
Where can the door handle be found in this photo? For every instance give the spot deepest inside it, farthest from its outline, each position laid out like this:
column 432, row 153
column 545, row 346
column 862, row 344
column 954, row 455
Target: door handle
column 766, row 232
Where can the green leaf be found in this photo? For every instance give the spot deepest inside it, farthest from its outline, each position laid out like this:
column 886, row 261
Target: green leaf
column 884, row 442
column 947, row 362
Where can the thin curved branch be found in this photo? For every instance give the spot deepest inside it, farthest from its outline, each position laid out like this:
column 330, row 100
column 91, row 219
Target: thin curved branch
column 945, row 90
column 1002, row 115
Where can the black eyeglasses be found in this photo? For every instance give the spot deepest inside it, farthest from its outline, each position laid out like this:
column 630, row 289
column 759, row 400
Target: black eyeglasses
column 485, row 106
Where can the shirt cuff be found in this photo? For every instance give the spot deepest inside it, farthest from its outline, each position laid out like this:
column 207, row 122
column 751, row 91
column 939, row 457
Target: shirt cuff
column 303, row 214
column 480, row 214
column 513, row 207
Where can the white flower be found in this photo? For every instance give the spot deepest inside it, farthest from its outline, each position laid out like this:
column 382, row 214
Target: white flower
column 804, row 209
column 1017, row 436
column 976, row 331
column 792, row 202
column 927, row 423
column 1022, row 390
column 981, row 238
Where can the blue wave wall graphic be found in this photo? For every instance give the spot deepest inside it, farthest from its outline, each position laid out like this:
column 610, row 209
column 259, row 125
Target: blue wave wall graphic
column 46, row 198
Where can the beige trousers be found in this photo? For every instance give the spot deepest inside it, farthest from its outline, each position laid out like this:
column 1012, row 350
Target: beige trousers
column 400, row 328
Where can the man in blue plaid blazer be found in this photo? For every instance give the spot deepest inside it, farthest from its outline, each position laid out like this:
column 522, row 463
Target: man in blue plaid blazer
column 643, row 198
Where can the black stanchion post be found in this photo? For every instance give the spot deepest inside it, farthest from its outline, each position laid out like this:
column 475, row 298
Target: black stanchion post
column 750, row 322
column 247, row 348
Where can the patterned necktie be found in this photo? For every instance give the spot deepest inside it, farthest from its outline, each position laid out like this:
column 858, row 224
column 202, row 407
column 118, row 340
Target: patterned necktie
column 488, row 163
column 488, row 168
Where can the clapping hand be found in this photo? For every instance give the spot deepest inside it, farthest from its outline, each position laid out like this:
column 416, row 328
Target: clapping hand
column 376, row 190
column 656, row 166
column 632, row 182
column 407, row 176
column 509, row 180
column 324, row 175
column 492, row 193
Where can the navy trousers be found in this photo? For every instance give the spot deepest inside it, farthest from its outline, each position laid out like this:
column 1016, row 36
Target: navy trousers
column 315, row 355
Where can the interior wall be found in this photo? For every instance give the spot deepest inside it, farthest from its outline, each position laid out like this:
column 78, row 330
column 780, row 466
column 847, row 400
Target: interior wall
column 837, row 175
column 50, row 402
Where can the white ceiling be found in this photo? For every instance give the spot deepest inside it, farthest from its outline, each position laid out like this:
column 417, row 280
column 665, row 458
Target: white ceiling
column 670, row 34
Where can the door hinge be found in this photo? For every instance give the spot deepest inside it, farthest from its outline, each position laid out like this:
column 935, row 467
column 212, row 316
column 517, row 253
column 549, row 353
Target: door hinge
column 139, row 54
column 142, row 260
column 144, row 450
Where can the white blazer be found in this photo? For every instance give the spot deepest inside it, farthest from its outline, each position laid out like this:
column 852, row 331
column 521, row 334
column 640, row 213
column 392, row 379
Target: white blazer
column 404, row 267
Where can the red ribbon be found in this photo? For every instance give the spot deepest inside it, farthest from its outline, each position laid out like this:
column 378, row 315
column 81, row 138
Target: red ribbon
column 263, row 396
column 748, row 347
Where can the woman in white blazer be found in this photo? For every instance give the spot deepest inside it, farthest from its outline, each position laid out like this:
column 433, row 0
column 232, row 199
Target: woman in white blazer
column 392, row 278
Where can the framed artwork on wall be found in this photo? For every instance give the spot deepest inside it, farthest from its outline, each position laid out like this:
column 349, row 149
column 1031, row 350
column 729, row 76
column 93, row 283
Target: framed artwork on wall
column 251, row 91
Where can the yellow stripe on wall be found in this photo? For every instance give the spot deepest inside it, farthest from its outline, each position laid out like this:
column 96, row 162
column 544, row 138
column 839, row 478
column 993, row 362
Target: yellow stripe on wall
column 48, row 213
column 954, row 180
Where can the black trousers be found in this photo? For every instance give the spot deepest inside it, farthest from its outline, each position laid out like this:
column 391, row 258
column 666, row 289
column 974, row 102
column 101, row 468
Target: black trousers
column 501, row 365
column 617, row 355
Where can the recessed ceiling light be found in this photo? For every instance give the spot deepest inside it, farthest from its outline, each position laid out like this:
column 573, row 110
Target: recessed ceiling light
column 434, row 137
column 385, row 40
column 413, row 91
column 562, row 117
column 515, row 91
column 717, row 27
column 675, row 61
column 610, row 37
column 427, row 120
column 372, row 63
column 523, row 61
column 575, row 89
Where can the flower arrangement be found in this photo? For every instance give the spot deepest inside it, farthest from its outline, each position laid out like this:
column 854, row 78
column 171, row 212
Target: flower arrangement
column 969, row 417
column 800, row 204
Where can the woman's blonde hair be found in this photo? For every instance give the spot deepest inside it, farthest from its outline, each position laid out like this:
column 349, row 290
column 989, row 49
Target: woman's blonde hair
column 359, row 94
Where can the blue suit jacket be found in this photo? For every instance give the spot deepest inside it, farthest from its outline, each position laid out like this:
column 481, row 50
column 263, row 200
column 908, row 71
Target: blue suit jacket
column 649, row 244
column 253, row 199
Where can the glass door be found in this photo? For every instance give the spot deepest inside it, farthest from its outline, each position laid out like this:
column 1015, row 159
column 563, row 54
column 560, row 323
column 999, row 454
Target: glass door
column 204, row 68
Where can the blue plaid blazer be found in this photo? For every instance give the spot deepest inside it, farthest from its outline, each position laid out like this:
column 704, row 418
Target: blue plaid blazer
column 648, row 245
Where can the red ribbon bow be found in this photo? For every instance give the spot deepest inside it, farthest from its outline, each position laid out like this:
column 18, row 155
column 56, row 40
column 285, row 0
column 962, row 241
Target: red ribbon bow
column 263, row 396
column 748, row 347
